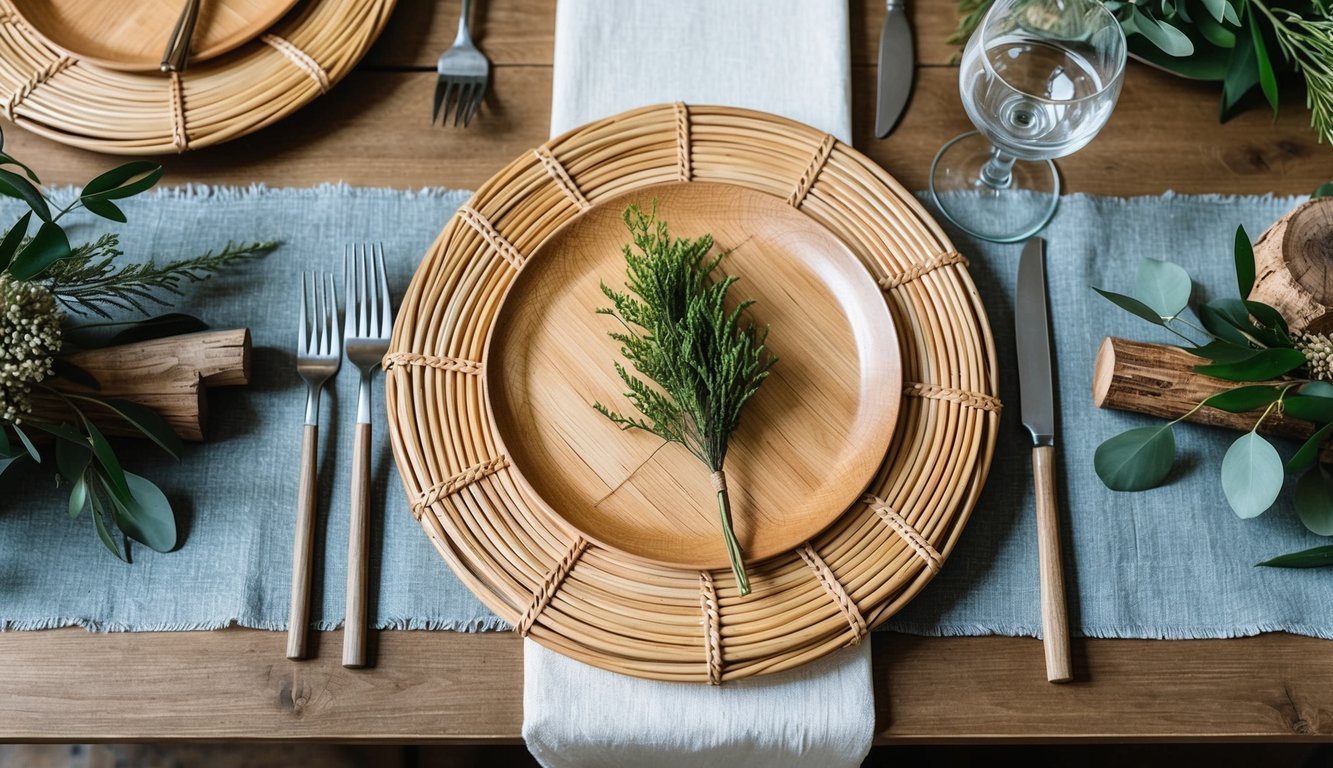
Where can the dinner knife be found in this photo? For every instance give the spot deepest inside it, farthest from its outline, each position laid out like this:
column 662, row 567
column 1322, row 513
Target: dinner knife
column 1036, row 384
column 897, row 67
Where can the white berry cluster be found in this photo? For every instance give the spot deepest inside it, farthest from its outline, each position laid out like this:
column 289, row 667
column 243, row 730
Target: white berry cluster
column 29, row 340
column 1318, row 350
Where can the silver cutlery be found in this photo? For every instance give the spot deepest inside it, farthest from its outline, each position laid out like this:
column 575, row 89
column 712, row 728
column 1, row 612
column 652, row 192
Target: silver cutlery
column 318, row 356
column 369, row 321
column 897, row 67
column 1037, row 398
column 177, row 53
column 464, row 75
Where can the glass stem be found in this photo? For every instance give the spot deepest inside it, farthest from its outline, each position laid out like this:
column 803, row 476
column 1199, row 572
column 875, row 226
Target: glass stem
column 997, row 173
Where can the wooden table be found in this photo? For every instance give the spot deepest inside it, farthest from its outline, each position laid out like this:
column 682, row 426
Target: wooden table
column 69, row 685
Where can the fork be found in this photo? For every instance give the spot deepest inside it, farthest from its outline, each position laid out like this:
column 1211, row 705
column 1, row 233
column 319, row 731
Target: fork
column 368, row 324
column 318, row 356
column 464, row 75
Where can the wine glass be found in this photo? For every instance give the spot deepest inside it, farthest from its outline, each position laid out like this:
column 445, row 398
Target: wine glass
column 1038, row 79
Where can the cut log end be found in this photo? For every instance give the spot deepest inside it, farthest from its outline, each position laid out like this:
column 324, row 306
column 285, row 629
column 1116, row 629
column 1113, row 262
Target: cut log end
column 1293, row 263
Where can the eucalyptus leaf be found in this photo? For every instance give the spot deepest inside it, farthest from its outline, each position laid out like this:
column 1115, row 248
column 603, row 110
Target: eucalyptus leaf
column 1309, row 407
column 106, row 209
column 48, row 246
column 1317, row 557
column 1267, row 78
column 7, row 160
column 1324, row 190
column 1136, row 460
column 1271, row 320
column 1251, row 475
column 27, row 443
column 1242, row 75
column 1223, row 352
column 60, row 431
column 1317, row 389
column 14, row 185
column 1244, row 263
column 106, row 456
column 78, row 497
column 1217, row 322
column 13, row 239
column 1314, row 501
column 8, row 461
column 1266, row 365
column 1170, row 40
column 1305, row 456
column 123, row 181
column 147, row 517
column 1162, row 286
column 1218, row 9
column 1215, row 32
column 1132, row 306
column 148, row 422
column 99, row 513
column 1236, row 313
column 1245, row 399
column 72, row 460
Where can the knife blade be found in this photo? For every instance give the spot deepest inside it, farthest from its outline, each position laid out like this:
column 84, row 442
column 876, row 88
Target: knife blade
column 897, row 67
column 1032, row 332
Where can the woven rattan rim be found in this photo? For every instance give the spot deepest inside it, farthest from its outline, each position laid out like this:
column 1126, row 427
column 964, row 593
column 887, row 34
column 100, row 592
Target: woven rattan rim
column 621, row 614
column 128, row 113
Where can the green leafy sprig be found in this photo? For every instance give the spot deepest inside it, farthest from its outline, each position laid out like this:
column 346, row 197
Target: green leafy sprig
column 1227, row 41
column 705, row 361
column 87, row 280
column 1248, row 343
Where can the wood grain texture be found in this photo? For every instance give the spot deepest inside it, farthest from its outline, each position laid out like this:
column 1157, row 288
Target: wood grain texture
column 810, row 440
column 131, row 39
column 1054, row 610
column 298, row 615
column 1293, row 266
column 373, row 129
column 431, row 687
column 358, row 565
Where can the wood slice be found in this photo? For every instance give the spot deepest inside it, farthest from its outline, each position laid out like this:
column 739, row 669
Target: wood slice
column 622, row 613
column 1293, row 264
column 131, row 36
column 809, row 441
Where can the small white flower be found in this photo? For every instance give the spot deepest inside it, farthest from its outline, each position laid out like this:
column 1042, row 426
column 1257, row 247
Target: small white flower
column 29, row 341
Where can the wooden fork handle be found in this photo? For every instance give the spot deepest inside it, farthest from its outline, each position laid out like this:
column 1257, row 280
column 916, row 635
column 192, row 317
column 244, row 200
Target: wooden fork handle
column 1054, row 614
column 354, row 624
column 298, row 620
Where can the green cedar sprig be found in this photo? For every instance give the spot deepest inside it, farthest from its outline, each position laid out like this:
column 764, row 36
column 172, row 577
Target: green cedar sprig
column 704, row 361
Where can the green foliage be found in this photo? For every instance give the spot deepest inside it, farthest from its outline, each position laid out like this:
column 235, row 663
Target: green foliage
column 1317, row 557
column 1240, row 43
column 88, row 279
column 1248, row 343
column 704, row 360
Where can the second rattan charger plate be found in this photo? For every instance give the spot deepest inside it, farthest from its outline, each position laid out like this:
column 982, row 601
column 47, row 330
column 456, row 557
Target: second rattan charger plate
column 49, row 92
column 620, row 612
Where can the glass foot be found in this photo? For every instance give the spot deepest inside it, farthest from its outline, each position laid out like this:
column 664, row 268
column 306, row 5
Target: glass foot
column 1002, row 215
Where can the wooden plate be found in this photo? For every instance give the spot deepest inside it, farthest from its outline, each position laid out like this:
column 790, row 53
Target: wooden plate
column 550, row 580
column 130, row 36
column 810, row 440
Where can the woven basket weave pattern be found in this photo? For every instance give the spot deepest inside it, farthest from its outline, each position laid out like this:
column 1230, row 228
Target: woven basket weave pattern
column 632, row 616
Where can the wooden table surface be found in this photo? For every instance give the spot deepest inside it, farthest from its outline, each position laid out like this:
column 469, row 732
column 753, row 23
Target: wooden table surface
column 69, row 685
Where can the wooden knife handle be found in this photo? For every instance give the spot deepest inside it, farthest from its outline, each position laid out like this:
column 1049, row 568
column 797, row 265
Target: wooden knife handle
column 1054, row 614
column 298, row 620
column 354, row 622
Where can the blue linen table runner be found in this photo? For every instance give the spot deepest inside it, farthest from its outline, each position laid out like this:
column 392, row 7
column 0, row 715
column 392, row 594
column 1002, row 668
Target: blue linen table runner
column 1169, row 563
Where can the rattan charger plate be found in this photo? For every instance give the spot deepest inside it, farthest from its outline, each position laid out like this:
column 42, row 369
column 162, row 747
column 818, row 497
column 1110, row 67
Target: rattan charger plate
column 56, row 95
column 623, row 613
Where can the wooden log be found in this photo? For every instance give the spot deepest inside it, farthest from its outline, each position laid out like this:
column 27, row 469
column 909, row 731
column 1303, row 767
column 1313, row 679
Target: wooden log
column 1293, row 266
column 168, row 375
column 1160, row 380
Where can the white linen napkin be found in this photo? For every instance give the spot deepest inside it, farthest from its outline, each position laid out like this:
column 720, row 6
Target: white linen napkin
column 788, row 57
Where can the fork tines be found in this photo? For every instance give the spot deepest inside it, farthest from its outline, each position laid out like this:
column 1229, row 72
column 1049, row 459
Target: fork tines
column 461, row 96
column 319, row 315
